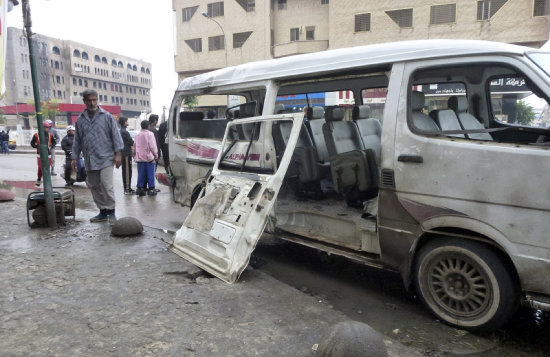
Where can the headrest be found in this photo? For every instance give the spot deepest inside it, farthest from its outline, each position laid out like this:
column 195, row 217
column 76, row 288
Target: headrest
column 314, row 113
column 191, row 116
column 458, row 103
column 417, row 101
column 279, row 108
column 361, row 112
column 336, row 114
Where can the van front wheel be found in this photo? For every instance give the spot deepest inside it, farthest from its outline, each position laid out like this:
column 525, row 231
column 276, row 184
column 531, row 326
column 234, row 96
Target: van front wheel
column 465, row 284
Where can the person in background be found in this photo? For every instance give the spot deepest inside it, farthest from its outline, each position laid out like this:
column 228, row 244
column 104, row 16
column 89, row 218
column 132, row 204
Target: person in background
column 145, row 154
column 211, row 114
column 35, row 143
column 55, row 135
column 153, row 121
column 126, row 156
column 67, row 146
column 98, row 138
column 163, row 133
column 5, row 142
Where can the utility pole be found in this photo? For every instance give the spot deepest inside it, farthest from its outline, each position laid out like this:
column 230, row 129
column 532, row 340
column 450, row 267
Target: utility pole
column 43, row 147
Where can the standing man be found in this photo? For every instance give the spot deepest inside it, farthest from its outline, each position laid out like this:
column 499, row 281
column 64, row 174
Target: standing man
column 163, row 133
column 126, row 156
column 153, row 120
column 98, row 138
column 55, row 135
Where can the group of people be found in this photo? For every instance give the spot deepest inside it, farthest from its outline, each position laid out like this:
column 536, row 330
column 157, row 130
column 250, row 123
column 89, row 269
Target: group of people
column 145, row 151
column 5, row 142
column 102, row 143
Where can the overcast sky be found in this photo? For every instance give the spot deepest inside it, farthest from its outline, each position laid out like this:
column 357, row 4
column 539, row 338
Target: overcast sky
column 141, row 29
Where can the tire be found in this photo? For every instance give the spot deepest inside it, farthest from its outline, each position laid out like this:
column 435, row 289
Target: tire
column 465, row 284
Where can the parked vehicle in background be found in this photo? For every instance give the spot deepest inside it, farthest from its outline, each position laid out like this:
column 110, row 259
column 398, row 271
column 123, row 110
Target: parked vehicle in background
column 432, row 167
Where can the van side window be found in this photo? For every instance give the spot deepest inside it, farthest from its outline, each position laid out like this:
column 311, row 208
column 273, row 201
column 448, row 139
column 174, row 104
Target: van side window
column 204, row 117
column 513, row 101
column 479, row 101
column 375, row 98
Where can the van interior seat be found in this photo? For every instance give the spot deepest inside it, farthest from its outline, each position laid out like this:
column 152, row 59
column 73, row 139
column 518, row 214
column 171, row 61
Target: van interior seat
column 304, row 158
column 420, row 120
column 447, row 120
column 279, row 108
column 369, row 128
column 460, row 105
column 316, row 119
column 304, row 163
column 353, row 169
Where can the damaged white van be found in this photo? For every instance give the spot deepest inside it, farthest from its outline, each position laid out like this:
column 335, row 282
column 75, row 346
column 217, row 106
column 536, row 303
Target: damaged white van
column 430, row 158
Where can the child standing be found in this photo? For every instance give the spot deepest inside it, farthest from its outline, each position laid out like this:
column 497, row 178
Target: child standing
column 35, row 142
column 145, row 154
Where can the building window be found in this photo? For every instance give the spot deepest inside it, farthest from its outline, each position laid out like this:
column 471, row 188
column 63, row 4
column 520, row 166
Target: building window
column 58, row 79
column 294, row 34
column 215, row 43
column 195, row 44
column 97, row 59
column 114, row 63
column 84, row 56
column 362, row 22
column 442, row 14
column 147, row 71
column 188, row 12
column 324, row 2
column 402, row 17
column 76, row 53
column 59, row 94
column 104, row 60
column 487, row 8
column 281, row 4
column 541, row 8
column 247, row 5
column 80, row 82
column 120, row 64
column 310, row 33
column 55, row 50
column 215, row 9
column 74, row 81
column 240, row 38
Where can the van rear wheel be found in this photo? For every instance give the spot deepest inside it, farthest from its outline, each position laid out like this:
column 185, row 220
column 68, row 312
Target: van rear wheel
column 465, row 284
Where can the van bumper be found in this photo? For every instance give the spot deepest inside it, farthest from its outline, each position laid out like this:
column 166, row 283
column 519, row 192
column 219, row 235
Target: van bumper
column 537, row 301
column 534, row 275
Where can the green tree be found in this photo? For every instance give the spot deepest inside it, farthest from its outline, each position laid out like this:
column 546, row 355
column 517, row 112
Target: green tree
column 190, row 101
column 2, row 117
column 524, row 113
column 49, row 109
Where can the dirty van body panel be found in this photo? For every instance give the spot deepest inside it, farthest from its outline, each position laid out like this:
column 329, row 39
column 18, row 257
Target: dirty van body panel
column 222, row 229
column 497, row 190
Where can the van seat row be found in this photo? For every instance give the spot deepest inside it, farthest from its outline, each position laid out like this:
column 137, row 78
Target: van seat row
column 455, row 117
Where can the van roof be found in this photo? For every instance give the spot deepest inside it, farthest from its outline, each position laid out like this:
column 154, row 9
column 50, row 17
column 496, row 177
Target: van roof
column 346, row 58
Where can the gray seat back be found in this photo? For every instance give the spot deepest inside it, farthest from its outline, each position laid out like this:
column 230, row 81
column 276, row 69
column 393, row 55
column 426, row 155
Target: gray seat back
column 316, row 119
column 467, row 120
column 340, row 135
column 420, row 120
column 447, row 120
column 369, row 128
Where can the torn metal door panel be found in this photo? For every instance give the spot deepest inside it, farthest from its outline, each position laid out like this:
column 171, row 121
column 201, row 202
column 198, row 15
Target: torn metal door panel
column 222, row 229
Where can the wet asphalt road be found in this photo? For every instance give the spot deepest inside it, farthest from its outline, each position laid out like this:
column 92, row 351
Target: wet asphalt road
column 364, row 294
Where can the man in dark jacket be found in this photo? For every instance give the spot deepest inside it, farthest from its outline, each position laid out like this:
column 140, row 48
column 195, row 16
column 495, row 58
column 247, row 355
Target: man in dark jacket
column 126, row 156
column 67, row 146
column 163, row 133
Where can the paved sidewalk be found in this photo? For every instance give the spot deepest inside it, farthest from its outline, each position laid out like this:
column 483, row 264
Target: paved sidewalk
column 77, row 291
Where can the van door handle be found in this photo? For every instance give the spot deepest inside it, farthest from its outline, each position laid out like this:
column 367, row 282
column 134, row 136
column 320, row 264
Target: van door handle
column 411, row 158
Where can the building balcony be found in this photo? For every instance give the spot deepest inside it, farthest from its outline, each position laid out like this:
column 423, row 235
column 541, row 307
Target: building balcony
column 299, row 47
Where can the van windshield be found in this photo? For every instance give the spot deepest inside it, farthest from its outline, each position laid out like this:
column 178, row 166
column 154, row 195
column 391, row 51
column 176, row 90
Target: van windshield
column 542, row 60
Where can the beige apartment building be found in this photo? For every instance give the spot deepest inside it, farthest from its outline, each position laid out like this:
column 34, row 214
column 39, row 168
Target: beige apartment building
column 232, row 32
column 66, row 68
